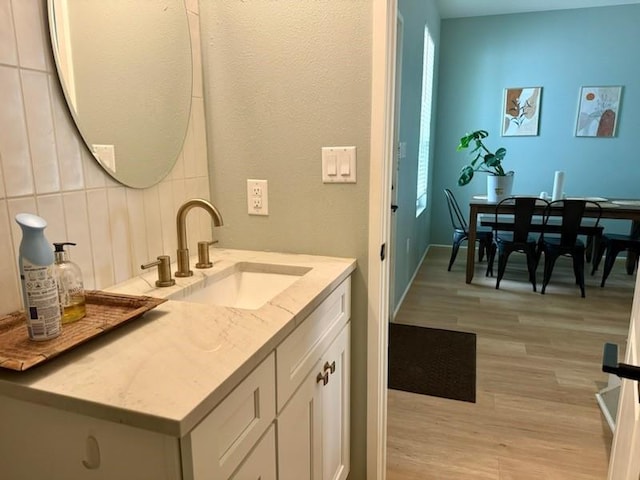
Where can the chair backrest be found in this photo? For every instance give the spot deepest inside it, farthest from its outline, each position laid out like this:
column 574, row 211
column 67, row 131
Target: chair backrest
column 571, row 212
column 457, row 219
column 522, row 215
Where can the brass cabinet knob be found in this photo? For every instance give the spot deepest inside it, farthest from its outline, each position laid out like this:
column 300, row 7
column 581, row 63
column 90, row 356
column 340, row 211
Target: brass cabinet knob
column 323, row 378
column 330, row 366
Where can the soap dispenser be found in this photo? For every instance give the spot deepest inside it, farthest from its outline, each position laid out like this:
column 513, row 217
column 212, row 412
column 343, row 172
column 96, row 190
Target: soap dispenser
column 70, row 287
column 38, row 280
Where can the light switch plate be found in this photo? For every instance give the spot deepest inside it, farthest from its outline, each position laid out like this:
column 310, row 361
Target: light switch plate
column 339, row 164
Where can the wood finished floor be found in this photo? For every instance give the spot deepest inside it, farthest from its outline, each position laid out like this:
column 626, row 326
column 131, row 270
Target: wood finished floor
column 538, row 369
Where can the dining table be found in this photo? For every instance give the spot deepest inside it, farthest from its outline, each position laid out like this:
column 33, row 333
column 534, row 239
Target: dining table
column 618, row 209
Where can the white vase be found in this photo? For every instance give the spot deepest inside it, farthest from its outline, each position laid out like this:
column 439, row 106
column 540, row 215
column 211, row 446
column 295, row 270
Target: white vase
column 499, row 187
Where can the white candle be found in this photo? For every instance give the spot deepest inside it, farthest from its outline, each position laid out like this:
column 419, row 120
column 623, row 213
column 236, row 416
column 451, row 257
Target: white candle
column 558, row 186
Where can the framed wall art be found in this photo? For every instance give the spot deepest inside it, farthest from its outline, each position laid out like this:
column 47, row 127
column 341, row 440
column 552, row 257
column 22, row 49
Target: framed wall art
column 598, row 109
column 521, row 111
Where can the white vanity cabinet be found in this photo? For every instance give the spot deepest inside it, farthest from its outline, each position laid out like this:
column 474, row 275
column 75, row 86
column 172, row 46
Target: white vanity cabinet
column 288, row 419
column 313, row 423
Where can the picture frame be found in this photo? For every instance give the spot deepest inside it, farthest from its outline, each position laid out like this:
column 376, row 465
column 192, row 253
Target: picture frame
column 598, row 111
column 521, row 111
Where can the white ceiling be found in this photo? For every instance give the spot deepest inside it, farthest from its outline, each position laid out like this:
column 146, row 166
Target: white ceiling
column 475, row 8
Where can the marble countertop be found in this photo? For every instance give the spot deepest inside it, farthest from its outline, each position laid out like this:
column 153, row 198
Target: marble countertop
column 166, row 370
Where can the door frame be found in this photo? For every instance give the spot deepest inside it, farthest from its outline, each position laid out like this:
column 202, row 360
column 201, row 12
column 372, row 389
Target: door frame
column 382, row 126
column 396, row 157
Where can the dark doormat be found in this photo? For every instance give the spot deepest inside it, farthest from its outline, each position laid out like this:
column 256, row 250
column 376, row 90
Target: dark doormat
column 432, row 361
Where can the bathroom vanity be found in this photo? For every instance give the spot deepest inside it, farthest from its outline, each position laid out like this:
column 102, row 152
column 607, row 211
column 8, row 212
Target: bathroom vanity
column 197, row 390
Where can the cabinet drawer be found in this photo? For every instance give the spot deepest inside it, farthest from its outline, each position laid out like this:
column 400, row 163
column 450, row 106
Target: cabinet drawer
column 218, row 444
column 297, row 354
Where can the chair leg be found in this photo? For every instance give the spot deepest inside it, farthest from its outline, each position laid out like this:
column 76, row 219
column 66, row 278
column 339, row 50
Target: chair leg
column 609, row 261
column 549, row 262
column 597, row 258
column 457, row 240
column 503, row 256
column 589, row 248
column 454, row 252
column 578, row 270
column 491, row 255
column 532, row 264
column 481, row 249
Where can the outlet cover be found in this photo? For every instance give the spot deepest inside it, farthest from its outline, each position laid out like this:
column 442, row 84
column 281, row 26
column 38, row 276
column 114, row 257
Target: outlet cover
column 257, row 197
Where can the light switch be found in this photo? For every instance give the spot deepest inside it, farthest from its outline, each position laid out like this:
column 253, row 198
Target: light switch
column 332, row 165
column 345, row 164
column 339, row 164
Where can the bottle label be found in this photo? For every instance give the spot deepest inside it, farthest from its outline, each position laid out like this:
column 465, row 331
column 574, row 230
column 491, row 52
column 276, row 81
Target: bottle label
column 43, row 304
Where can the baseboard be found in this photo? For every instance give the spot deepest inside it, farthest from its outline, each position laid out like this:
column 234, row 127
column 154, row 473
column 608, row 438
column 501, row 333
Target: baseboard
column 413, row 277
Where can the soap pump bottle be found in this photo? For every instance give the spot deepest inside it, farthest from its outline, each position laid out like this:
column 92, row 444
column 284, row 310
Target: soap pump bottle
column 70, row 287
column 38, row 280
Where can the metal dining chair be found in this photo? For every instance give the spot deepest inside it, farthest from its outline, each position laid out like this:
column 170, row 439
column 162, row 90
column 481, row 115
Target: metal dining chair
column 567, row 241
column 613, row 244
column 517, row 239
column 461, row 230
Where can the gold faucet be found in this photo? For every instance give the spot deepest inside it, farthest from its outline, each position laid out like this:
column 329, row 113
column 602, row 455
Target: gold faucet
column 181, row 223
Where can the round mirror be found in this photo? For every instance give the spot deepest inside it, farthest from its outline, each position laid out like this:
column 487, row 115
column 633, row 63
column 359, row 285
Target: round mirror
column 125, row 68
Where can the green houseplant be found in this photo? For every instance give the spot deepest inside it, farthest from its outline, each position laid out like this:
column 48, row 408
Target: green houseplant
column 484, row 161
column 499, row 182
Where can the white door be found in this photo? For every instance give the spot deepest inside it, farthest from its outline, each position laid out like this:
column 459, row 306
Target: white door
column 625, row 459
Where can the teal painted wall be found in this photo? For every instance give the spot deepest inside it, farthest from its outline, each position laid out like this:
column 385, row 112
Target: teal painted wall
column 559, row 51
column 416, row 230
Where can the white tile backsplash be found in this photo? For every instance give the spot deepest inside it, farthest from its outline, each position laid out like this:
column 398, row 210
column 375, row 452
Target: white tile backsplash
column 120, row 238
column 51, row 208
column 9, row 288
column 14, row 144
column 100, row 230
column 37, row 105
column 167, row 218
column 8, row 52
column 153, row 221
column 46, row 169
column 68, row 146
column 138, row 250
column 28, row 18
column 77, row 220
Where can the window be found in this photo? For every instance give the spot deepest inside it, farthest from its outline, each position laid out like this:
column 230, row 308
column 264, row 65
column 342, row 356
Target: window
column 425, row 122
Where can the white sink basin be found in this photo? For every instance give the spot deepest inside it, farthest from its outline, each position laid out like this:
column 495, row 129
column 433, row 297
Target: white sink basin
column 246, row 285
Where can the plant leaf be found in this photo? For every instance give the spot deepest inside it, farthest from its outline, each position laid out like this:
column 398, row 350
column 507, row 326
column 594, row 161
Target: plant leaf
column 465, row 176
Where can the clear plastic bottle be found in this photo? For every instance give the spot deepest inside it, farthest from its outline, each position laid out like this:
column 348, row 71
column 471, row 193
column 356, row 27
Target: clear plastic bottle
column 70, row 286
column 38, row 280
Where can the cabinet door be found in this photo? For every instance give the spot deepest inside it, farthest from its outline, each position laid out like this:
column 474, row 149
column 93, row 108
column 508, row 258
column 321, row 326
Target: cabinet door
column 335, row 409
column 299, row 432
column 313, row 429
column 260, row 464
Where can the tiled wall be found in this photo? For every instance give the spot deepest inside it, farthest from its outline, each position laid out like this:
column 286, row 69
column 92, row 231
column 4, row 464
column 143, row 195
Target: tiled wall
column 46, row 169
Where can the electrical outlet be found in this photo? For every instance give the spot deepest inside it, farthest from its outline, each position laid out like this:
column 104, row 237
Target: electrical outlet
column 257, row 198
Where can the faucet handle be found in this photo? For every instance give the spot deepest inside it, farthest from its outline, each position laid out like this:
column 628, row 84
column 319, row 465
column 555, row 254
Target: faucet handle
column 203, row 254
column 164, row 271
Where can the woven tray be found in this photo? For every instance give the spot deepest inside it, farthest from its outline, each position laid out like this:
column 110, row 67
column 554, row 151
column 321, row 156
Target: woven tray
column 105, row 311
